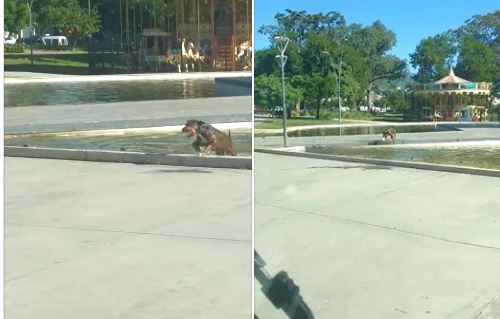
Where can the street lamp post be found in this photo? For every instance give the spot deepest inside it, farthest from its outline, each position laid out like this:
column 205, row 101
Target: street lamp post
column 31, row 30
column 339, row 77
column 89, row 46
column 282, row 43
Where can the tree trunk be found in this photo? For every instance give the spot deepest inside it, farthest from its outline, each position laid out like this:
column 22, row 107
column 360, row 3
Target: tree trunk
column 74, row 43
column 370, row 100
column 317, row 109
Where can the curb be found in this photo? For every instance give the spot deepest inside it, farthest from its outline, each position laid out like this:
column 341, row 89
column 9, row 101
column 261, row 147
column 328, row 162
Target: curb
column 414, row 165
column 233, row 162
column 130, row 77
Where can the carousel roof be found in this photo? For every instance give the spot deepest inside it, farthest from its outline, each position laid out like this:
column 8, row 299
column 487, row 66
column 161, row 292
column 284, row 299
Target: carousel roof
column 451, row 78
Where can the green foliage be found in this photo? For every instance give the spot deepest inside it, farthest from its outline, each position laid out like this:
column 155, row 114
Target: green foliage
column 16, row 15
column 433, row 56
column 14, row 48
column 476, row 60
column 67, row 17
column 394, row 98
column 475, row 46
column 268, row 92
column 321, row 46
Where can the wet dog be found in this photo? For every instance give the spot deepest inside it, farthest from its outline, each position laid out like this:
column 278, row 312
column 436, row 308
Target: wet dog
column 210, row 138
column 389, row 135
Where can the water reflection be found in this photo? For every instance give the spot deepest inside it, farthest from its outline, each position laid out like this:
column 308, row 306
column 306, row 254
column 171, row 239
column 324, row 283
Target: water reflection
column 481, row 155
column 58, row 93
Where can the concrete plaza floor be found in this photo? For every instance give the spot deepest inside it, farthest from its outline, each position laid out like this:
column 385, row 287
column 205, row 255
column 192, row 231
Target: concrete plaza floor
column 364, row 241
column 108, row 240
column 119, row 115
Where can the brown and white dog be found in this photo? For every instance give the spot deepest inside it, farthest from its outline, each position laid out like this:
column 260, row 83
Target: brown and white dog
column 210, row 138
column 389, row 135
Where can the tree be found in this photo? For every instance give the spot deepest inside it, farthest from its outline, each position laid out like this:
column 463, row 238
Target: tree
column 16, row 15
column 433, row 56
column 323, row 44
column 478, row 33
column 484, row 28
column 268, row 92
column 476, row 61
column 373, row 43
column 67, row 17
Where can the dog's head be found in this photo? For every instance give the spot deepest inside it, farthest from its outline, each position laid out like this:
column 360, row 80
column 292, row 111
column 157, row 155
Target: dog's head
column 192, row 127
column 389, row 134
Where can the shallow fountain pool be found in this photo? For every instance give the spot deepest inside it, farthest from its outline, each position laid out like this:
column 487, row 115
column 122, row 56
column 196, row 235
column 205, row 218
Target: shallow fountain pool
column 68, row 93
column 164, row 143
column 483, row 154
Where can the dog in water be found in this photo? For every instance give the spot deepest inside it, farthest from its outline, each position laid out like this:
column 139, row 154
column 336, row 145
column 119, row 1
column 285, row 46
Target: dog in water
column 210, row 138
column 389, row 135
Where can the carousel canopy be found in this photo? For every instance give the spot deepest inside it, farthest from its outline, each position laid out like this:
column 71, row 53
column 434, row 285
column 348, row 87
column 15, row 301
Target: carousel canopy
column 452, row 84
column 451, row 78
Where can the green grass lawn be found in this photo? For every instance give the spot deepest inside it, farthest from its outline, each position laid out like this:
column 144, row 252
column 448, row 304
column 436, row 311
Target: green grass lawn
column 72, row 63
column 278, row 123
column 64, row 63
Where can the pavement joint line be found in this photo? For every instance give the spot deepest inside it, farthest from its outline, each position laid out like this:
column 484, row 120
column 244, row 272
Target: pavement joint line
column 390, row 228
column 129, row 232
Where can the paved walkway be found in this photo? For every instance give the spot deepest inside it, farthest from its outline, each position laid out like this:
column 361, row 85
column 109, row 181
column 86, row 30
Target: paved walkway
column 99, row 240
column 119, row 115
column 377, row 242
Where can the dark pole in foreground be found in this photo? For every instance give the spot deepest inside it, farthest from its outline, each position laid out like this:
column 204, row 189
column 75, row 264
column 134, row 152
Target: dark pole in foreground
column 282, row 43
column 88, row 46
column 31, row 36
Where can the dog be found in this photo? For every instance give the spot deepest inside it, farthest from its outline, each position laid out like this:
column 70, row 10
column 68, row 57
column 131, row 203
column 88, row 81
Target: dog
column 210, row 138
column 389, row 135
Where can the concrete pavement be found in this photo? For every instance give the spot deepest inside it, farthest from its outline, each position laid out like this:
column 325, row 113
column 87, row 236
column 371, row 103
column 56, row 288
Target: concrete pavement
column 364, row 241
column 122, row 115
column 101, row 240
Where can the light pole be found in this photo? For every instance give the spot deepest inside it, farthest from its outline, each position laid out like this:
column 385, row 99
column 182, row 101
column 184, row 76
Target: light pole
column 282, row 43
column 89, row 45
column 339, row 77
column 31, row 30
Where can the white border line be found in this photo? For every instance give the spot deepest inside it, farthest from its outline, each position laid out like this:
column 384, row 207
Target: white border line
column 129, row 77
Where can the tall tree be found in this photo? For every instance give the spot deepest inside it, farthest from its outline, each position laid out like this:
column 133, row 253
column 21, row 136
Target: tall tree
column 67, row 17
column 16, row 15
column 373, row 42
column 433, row 56
column 477, row 61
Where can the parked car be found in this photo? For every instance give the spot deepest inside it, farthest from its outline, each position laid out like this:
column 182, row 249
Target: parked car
column 9, row 40
column 55, row 40
column 278, row 112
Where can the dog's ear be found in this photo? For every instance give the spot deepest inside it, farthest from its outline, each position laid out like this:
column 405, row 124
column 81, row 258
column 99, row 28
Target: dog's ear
column 201, row 123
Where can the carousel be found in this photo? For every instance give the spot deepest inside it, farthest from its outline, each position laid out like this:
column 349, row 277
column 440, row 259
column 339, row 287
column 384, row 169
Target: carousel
column 451, row 99
column 189, row 35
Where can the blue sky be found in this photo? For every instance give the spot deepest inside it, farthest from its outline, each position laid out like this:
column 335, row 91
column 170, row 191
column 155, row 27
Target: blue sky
column 411, row 20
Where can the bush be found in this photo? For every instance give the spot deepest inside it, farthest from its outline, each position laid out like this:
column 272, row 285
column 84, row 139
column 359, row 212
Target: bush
column 357, row 115
column 295, row 113
column 14, row 48
column 326, row 115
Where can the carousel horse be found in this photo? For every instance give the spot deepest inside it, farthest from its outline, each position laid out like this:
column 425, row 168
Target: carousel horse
column 243, row 52
column 193, row 52
column 174, row 59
